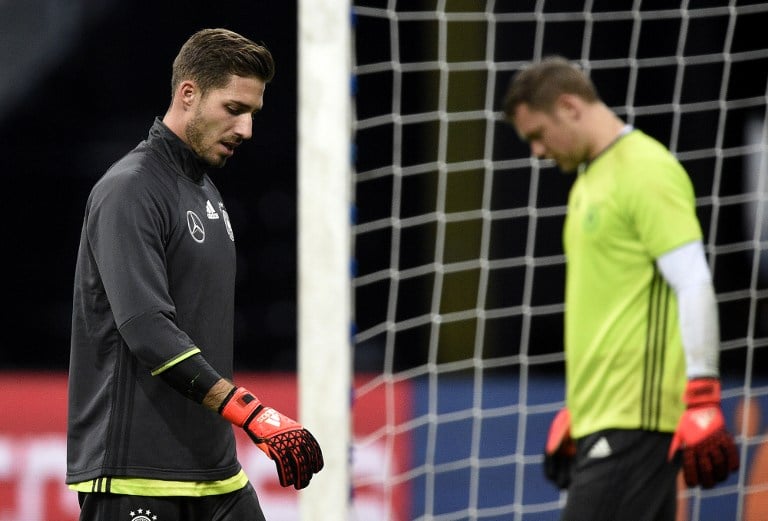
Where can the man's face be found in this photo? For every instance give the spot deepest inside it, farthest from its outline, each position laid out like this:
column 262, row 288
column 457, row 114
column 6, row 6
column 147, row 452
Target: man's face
column 551, row 135
column 223, row 119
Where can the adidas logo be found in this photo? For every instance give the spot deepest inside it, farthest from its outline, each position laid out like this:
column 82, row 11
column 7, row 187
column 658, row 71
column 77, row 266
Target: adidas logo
column 601, row 449
column 703, row 417
column 270, row 416
column 210, row 211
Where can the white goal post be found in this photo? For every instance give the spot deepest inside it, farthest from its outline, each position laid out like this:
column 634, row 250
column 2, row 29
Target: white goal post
column 324, row 251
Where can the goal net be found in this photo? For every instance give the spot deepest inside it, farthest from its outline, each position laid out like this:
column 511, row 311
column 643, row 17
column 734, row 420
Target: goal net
column 459, row 270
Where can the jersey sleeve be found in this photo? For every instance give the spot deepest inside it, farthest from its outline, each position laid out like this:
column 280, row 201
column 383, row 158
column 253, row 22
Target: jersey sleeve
column 662, row 205
column 127, row 224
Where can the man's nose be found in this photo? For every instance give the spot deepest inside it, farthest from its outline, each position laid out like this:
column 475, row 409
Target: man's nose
column 244, row 127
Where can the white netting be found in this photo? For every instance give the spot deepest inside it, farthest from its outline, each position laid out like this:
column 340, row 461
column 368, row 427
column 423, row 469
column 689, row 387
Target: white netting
column 459, row 280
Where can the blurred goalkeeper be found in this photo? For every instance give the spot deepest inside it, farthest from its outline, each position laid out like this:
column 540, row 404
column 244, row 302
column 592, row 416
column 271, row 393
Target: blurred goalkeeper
column 641, row 319
column 151, row 403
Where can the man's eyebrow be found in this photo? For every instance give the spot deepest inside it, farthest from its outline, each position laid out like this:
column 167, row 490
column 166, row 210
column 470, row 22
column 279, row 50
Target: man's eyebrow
column 243, row 106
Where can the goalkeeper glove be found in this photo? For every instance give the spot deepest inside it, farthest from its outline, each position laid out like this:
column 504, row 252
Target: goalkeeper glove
column 294, row 450
column 559, row 450
column 708, row 450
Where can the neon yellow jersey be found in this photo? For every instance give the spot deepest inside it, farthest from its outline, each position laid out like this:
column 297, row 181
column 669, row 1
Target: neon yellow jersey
column 625, row 364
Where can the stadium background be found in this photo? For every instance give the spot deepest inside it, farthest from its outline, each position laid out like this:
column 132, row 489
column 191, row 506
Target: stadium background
column 81, row 82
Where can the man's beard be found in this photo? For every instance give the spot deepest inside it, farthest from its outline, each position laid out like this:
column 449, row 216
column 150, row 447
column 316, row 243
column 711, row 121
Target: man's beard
column 196, row 139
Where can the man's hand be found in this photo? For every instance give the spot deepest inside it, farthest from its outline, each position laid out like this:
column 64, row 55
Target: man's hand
column 295, row 451
column 559, row 450
column 708, row 450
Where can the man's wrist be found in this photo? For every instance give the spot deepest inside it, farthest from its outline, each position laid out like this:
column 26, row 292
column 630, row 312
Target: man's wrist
column 702, row 391
column 216, row 395
column 239, row 406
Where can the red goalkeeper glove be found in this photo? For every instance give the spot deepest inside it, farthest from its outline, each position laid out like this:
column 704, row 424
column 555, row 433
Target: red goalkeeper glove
column 559, row 450
column 709, row 452
column 294, row 450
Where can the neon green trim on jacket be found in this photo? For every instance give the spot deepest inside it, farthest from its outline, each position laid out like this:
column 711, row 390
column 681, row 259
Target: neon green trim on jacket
column 173, row 361
column 158, row 487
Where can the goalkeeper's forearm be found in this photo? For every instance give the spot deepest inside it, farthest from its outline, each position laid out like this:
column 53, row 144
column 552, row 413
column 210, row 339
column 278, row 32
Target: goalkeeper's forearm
column 197, row 380
column 685, row 269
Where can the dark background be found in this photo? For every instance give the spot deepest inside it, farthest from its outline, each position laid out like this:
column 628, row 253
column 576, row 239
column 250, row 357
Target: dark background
column 76, row 100
column 83, row 80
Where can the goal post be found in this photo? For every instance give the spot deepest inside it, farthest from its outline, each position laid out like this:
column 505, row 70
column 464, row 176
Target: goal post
column 324, row 248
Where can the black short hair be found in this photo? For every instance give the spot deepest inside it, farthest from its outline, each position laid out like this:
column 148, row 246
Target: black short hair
column 211, row 56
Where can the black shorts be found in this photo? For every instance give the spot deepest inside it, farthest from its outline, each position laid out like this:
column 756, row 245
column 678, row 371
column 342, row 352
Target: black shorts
column 622, row 474
column 240, row 505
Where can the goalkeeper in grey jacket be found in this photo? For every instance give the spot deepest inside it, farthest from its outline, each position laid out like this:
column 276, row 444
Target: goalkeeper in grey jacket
column 151, row 401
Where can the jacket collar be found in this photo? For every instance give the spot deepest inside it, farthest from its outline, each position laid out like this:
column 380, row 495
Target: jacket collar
column 176, row 151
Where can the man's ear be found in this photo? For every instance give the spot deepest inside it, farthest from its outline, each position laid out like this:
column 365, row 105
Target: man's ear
column 188, row 93
column 570, row 105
